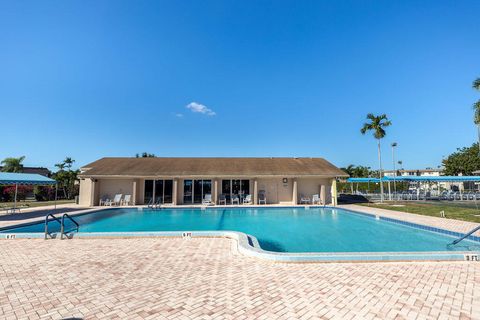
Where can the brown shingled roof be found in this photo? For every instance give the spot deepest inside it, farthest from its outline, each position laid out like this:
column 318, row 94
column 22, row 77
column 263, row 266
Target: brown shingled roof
column 188, row 167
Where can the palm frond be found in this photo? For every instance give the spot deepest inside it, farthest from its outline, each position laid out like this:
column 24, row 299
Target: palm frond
column 476, row 115
column 476, row 84
column 476, row 106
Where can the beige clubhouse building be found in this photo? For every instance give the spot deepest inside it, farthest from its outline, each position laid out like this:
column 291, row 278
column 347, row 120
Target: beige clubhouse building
column 186, row 181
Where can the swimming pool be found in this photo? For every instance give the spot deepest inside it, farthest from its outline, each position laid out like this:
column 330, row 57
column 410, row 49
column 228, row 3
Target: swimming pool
column 289, row 230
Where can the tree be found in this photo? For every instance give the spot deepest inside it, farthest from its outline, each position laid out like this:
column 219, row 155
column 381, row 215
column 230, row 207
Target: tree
column 66, row 177
column 357, row 171
column 377, row 124
column 476, row 111
column 145, row 155
column 400, row 163
column 13, row 164
column 464, row 160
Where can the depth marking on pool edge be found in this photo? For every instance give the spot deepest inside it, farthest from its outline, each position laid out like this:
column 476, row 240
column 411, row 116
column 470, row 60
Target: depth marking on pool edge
column 471, row 257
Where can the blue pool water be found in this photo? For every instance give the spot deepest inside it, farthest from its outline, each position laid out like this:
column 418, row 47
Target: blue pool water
column 277, row 229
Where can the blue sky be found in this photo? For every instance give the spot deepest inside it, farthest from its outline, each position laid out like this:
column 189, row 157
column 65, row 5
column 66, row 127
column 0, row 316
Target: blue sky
column 88, row 79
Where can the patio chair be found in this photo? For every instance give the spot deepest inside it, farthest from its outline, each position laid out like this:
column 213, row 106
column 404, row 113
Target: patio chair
column 151, row 203
column 247, row 199
column 116, row 200
column 207, row 200
column 127, row 200
column 235, row 198
column 104, row 201
column 222, row 198
column 262, row 197
column 304, row 199
column 158, row 202
column 316, row 199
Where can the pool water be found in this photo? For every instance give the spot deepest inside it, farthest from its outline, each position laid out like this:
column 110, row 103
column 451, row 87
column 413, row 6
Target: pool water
column 277, row 229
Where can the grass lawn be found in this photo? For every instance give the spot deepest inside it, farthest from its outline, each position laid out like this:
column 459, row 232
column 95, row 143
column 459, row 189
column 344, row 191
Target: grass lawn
column 33, row 204
column 459, row 211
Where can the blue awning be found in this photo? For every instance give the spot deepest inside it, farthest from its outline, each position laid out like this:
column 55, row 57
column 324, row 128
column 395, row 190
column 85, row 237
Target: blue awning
column 434, row 178
column 364, row 180
column 418, row 179
column 25, row 179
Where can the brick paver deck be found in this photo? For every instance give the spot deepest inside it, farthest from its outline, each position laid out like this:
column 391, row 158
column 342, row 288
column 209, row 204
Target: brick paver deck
column 173, row 278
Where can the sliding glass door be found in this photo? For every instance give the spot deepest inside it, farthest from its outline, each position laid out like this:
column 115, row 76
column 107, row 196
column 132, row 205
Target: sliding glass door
column 227, row 189
column 168, row 191
column 195, row 190
column 235, row 187
column 187, row 191
column 148, row 192
column 160, row 190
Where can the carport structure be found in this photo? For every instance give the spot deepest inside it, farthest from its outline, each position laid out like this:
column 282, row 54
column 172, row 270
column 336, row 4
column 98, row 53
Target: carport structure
column 25, row 179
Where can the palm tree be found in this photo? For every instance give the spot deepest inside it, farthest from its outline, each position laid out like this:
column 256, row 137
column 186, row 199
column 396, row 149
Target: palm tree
column 13, row 164
column 377, row 125
column 349, row 170
column 476, row 108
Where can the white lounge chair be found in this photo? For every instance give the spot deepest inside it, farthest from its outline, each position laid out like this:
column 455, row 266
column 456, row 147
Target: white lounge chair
column 158, row 202
column 151, row 203
column 127, row 200
column 117, row 200
column 207, row 200
column 104, row 201
column 235, row 198
column 222, row 198
column 262, row 197
column 304, row 199
column 316, row 199
column 247, row 199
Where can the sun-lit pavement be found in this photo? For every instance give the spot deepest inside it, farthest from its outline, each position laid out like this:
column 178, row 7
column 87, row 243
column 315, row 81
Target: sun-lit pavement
column 207, row 279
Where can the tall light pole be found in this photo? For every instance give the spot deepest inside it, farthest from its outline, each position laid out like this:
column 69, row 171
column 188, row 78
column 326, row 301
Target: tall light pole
column 394, row 144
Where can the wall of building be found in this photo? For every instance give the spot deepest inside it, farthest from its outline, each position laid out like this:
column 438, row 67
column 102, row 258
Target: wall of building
column 85, row 193
column 276, row 191
column 311, row 186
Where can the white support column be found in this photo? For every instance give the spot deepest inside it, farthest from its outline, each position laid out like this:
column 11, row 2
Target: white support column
column 295, row 191
column 215, row 191
column 134, row 192
column 255, row 191
column 334, row 192
column 93, row 191
column 175, row 191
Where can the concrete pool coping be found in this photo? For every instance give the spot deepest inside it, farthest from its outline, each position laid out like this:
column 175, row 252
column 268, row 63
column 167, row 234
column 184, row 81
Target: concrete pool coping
column 249, row 245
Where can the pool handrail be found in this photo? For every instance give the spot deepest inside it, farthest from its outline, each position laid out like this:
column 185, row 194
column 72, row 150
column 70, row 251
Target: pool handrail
column 466, row 235
column 47, row 220
column 62, row 230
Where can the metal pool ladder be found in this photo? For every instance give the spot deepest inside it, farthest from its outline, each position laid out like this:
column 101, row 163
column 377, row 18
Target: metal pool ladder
column 62, row 225
column 466, row 236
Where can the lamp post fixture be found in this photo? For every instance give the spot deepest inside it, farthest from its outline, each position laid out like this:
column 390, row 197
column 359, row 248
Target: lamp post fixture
column 394, row 144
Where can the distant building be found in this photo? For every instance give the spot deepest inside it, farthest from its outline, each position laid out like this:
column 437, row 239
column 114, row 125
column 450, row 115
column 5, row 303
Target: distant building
column 416, row 172
column 429, row 172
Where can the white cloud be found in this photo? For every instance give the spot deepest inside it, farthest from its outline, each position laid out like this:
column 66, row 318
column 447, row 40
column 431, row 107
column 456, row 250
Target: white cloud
column 179, row 115
column 200, row 108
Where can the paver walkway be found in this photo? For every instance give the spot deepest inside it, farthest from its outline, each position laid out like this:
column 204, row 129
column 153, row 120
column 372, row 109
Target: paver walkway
column 173, row 278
